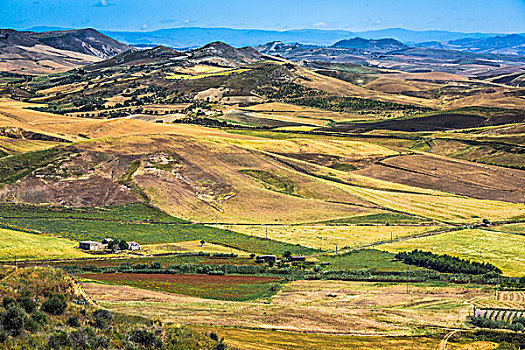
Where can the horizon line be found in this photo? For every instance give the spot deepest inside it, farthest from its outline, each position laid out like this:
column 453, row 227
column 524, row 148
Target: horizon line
column 268, row 30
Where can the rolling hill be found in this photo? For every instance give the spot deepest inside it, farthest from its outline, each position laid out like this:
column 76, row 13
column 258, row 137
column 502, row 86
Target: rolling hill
column 380, row 45
column 86, row 41
column 53, row 52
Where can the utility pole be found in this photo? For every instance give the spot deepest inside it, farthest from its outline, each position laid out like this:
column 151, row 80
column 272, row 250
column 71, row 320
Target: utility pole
column 15, row 260
column 321, row 247
column 336, row 248
column 391, row 237
column 266, row 231
column 408, row 274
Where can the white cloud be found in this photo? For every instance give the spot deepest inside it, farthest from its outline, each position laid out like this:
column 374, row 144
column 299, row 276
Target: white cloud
column 320, row 24
column 103, row 3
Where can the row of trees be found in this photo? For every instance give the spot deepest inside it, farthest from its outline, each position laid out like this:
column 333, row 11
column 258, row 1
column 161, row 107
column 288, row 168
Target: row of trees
column 446, row 263
column 299, row 272
column 347, row 104
column 517, row 325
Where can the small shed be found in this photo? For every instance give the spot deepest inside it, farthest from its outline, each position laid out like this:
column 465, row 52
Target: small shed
column 133, row 246
column 89, row 245
column 267, row 258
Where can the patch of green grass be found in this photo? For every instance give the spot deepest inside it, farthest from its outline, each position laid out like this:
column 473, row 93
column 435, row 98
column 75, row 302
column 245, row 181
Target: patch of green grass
column 271, row 181
column 128, row 175
column 15, row 167
column 149, row 233
column 363, row 259
column 29, row 246
column 131, row 212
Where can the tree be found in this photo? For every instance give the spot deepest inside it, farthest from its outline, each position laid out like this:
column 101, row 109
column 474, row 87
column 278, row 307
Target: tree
column 202, row 242
column 287, row 254
column 123, row 245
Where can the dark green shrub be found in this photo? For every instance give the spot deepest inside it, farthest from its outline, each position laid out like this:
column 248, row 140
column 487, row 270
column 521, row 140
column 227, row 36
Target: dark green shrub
column 73, row 321
column 102, row 318
column 31, row 325
column 13, row 319
column 58, row 339
column 28, row 304
column 8, row 301
column 220, row 346
column 214, row 336
column 145, row 337
column 40, row 318
column 3, row 335
column 517, row 327
column 520, row 320
column 56, row 305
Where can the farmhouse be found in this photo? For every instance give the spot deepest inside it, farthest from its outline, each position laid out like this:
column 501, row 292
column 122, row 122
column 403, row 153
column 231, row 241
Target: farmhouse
column 133, row 246
column 90, row 245
column 267, row 258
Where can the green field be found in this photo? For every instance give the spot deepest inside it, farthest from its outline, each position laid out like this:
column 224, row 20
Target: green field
column 81, row 229
column 133, row 212
column 29, row 246
column 363, row 259
column 506, row 251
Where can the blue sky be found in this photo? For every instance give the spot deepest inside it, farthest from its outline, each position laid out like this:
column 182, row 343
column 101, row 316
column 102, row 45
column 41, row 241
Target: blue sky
column 496, row 16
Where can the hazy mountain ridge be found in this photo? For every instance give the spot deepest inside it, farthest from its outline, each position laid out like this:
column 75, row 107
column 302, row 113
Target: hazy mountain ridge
column 184, row 37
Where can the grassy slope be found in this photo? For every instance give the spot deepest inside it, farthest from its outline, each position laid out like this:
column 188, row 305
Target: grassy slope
column 78, row 229
column 342, row 236
column 506, row 251
column 29, row 246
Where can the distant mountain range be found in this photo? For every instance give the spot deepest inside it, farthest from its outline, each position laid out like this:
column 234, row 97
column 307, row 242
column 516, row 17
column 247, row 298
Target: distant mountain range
column 189, row 37
column 512, row 44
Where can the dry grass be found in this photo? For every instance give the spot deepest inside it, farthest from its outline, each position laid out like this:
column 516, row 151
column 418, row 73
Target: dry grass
column 204, row 73
column 506, row 251
column 189, row 247
column 331, row 307
column 342, row 236
column 447, row 208
column 14, row 113
column 502, row 300
column 16, row 146
column 259, row 339
column 346, row 149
